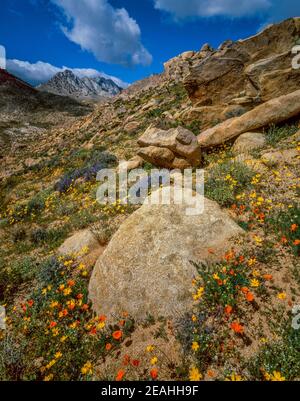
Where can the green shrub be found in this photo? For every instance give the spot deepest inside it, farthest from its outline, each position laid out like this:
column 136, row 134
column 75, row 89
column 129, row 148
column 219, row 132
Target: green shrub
column 18, row 234
column 224, row 294
column 276, row 134
column 16, row 274
column 12, row 359
column 282, row 356
column 194, row 126
column 227, row 180
column 286, row 224
column 51, row 237
column 50, row 271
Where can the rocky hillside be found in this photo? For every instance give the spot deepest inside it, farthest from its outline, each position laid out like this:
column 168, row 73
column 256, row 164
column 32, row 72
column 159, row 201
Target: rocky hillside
column 66, row 83
column 25, row 112
column 148, row 292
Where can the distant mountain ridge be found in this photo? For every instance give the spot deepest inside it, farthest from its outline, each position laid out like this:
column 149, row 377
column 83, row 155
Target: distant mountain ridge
column 66, row 83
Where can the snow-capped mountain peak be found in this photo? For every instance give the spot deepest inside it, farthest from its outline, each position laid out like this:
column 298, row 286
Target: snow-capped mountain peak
column 67, row 83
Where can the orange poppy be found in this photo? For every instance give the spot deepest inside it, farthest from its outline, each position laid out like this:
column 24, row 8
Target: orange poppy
column 245, row 290
column 229, row 255
column 108, row 347
column 228, row 310
column 284, row 240
column 85, row 307
column 154, row 373
column 296, row 242
column 135, row 362
column 71, row 283
column 117, row 334
column 93, row 331
column 30, row 303
column 237, row 328
column 53, row 324
column 294, row 227
column 250, row 297
column 268, row 277
column 120, row 375
column 102, row 318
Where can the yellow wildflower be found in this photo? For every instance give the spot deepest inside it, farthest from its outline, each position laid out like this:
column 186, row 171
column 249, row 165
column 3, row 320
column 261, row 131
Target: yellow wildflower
column 195, row 375
column 234, row 378
column 48, row 378
column 254, row 283
column 195, row 346
column 87, row 368
column 154, row 360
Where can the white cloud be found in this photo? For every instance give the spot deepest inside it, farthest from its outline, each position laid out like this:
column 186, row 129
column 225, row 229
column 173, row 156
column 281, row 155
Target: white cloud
column 109, row 33
column 210, row 8
column 39, row 72
column 33, row 73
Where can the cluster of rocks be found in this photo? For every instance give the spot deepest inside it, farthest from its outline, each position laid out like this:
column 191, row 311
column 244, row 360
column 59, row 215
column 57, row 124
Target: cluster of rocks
column 173, row 148
column 180, row 148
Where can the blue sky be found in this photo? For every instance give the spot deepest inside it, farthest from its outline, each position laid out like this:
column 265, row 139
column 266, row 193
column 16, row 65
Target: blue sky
column 129, row 39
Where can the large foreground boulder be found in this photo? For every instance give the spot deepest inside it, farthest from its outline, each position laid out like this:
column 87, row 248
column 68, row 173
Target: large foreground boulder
column 146, row 267
column 272, row 112
column 162, row 147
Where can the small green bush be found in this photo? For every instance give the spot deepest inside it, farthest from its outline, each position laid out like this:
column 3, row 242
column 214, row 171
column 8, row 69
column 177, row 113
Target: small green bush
column 226, row 180
column 13, row 276
column 282, row 356
column 276, row 134
column 286, row 223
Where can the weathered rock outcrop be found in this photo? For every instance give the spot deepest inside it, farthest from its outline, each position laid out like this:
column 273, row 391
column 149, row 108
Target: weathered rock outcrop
column 207, row 116
column 257, row 69
column 146, row 267
column 170, row 148
column 272, row 112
